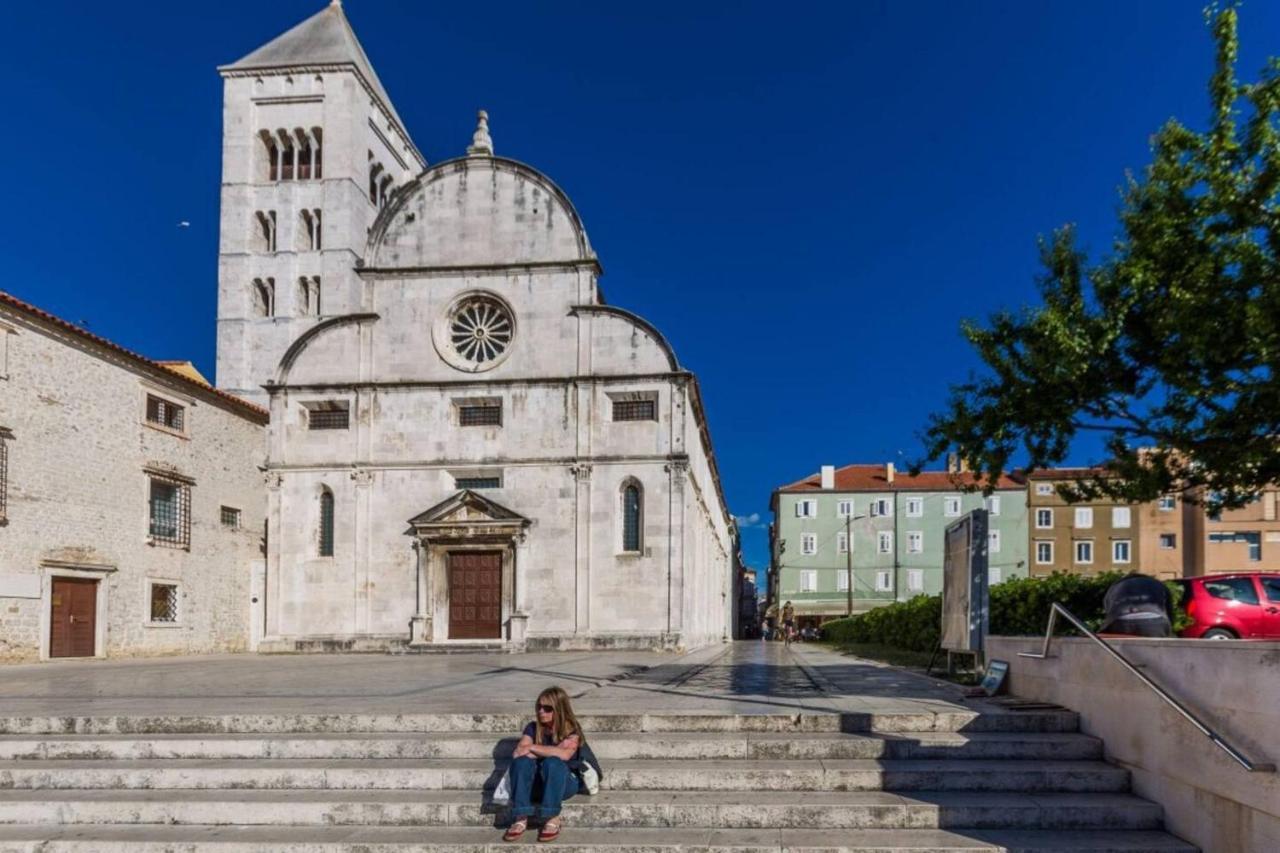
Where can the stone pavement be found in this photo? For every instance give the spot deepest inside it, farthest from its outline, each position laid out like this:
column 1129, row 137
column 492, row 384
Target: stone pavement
column 747, row 677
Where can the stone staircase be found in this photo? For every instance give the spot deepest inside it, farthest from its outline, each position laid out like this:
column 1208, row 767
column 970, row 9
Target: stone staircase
column 998, row 781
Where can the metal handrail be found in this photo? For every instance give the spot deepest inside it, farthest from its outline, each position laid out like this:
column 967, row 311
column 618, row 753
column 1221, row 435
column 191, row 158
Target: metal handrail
column 1251, row 766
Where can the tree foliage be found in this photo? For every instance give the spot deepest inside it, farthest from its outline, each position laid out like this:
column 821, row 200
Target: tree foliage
column 1169, row 347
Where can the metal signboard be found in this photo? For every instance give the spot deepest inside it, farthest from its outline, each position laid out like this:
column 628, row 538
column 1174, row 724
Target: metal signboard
column 964, row 584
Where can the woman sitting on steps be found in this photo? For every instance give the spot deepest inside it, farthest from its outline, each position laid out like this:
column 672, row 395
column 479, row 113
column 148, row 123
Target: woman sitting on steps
column 541, row 766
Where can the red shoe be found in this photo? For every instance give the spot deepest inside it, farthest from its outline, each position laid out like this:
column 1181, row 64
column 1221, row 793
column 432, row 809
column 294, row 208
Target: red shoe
column 550, row 830
column 516, row 829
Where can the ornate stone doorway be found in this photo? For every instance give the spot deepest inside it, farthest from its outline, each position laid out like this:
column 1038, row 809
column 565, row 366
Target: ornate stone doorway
column 468, row 557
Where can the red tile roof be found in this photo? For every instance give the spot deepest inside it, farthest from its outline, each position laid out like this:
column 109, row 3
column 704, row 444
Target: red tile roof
column 872, row 478
column 256, row 413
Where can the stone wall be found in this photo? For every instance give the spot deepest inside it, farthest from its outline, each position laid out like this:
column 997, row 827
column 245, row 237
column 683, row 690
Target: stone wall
column 78, row 496
column 1234, row 686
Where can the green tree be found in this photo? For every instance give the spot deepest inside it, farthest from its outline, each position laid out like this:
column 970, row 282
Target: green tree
column 1170, row 345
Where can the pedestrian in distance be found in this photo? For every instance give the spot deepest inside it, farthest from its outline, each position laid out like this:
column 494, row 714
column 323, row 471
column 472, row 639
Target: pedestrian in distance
column 548, row 766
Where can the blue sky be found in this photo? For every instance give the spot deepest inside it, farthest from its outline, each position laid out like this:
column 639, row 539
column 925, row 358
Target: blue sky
column 806, row 198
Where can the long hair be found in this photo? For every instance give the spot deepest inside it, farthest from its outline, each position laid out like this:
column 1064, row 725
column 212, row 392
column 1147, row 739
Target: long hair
column 564, row 722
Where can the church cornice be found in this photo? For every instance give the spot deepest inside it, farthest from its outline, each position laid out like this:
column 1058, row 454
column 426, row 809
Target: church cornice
column 480, row 269
column 423, row 384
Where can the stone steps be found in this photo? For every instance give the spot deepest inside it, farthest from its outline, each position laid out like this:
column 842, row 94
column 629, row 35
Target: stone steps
column 619, row 809
column 897, row 783
column 455, row 774
column 674, row 745
column 232, row 839
column 986, row 721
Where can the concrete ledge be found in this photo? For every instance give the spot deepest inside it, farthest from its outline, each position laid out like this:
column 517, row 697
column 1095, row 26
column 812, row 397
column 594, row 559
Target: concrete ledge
column 1234, row 686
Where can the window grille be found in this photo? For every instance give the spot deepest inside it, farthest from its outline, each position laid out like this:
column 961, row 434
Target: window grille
column 326, row 523
column 329, row 419
column 635, row 410
column 164, row 413
column 631, row 518
column 170, row 513
column 164, row 602
column 477, row 482
column 4, row 477
column 481, row 415
column 231, row 517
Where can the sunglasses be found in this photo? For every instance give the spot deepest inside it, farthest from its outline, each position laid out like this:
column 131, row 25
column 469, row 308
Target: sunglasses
column 546, row 709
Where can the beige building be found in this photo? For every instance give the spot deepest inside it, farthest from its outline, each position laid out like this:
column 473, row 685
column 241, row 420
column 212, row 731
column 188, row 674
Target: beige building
column 131, row 503
column 1102, row 536
column 1245, row 539
column 1171, row 537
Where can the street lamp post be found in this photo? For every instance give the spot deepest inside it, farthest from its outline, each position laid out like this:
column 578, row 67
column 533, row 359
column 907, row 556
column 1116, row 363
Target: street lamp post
column 848, row 562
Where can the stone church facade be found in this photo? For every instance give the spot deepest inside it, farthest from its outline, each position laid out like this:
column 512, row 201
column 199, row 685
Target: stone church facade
column 467, row 444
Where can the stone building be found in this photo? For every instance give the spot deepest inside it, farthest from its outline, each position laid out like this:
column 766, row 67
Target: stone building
column 131, row 504
column 467, row 444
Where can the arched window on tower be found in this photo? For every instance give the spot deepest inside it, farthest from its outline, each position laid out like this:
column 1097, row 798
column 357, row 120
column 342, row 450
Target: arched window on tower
column 288, row 156
column 375, row 180
column 304, row 153
column 317, row 153
column 326, row 522
column 632, row 517
column 308, row 296
column 265, row 232
column 264, row 297
column 271, row 152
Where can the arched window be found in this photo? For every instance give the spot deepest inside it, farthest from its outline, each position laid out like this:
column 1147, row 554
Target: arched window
column 632, row 517
column 264, row 297
column 326, row 523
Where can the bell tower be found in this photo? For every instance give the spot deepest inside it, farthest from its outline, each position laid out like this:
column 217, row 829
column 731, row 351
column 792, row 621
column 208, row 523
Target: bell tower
column 312, row 148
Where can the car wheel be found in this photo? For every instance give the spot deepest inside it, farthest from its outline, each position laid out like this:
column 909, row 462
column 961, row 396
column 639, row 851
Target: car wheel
column 1217, row 634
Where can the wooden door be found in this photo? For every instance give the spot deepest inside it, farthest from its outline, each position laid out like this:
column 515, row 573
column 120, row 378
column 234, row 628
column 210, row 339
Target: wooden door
column 73, row 618
column 475, row 595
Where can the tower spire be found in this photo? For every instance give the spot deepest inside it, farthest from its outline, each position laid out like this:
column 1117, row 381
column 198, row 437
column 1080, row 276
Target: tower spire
column 481, row 143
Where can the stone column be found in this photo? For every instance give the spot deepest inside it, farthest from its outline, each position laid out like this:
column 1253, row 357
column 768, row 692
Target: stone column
column 677, row 471
column 519, row 614
column 363, row 479
column 272, row 586
column 420, row 624
column 582, row 530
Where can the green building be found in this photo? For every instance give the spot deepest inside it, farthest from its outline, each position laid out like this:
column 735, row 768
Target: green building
column 890, row 527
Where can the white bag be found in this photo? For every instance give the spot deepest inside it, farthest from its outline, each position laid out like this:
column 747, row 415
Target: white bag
column 590, row 779
column 502, row 793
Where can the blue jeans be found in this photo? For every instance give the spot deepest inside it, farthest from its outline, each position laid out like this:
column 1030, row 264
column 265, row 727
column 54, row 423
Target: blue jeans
column 549, row 779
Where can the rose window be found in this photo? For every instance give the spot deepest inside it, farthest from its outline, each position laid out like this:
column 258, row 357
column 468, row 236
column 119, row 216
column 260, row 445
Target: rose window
column 480, row 329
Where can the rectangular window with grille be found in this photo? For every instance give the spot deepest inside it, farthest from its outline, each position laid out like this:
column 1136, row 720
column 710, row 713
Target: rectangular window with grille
column 164, row 413
column 170, row 511
column 230, row 517
column 478, row 482
column 164, row 602
column 635, row 410
column 480, row 415
column 329, row 417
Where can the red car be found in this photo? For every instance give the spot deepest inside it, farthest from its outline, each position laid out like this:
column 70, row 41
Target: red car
column 1234, row 606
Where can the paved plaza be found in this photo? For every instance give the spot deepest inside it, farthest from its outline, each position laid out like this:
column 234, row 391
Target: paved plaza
column 747, row 677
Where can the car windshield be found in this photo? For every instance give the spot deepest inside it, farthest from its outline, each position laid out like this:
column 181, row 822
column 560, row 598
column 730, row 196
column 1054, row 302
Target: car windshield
column 1232, row 589
column 1272, row 587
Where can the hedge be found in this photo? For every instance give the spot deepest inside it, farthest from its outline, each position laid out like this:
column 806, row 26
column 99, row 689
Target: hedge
column 1019, row 607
